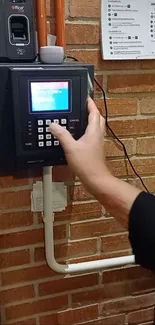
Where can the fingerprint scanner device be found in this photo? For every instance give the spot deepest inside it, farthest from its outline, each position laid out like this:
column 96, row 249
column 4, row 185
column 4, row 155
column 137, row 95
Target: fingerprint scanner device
column 17, row 31
column 33, row 96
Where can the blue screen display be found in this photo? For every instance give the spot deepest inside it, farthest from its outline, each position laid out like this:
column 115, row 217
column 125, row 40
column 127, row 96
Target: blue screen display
column 49, row 96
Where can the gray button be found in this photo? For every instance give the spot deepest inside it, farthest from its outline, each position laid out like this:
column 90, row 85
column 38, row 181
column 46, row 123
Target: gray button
column 40, row 122
column 40, row 130
column 56, row 121
column 63, row 121
column 56, row 143
column 40, row 137
column 48, row 122
column 47, row 129
column 48, row 143
column 48, row 136
column 41, row 144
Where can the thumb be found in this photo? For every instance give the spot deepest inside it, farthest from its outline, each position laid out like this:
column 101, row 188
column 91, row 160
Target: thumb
column 62, row 135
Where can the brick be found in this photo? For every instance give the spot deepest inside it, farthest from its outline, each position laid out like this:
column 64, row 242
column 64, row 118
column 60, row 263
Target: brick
column 115, row 243
column 118, row 106
column 35, row 307
column 128, row 304
column 59, row 232
column 88, row 297
column 113, row 149
column 29, row 237
column 50, row 10
column 62, row 174
column 148, row 64
column 23, row 238
column 17, row 294
column 147, row 105
column 141, row 316
column 142, row 166
column 12, row 200
column 70, row 283
column 125, row 273
column 95, row 228
column 27, row 274
column 82, row 33
column 14, row 258
column 72, row 249
column 149, row 183
column 146, row 146
column 114, row 320
column 80, row 212
column 100, row 80
column 93, row 56
column 30, row 321
column 78, row 193
column 133, row 127
column 143, row 286
column 15, row 219
column 84, row 9
column 14, row 180
column 107, row 292
column 118, row 167
column 137, row 83
column 116, row 254
column 71, row 317
column 84, row 259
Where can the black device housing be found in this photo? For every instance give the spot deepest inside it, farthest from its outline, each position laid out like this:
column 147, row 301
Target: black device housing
column 19, row 127
column 17, row 31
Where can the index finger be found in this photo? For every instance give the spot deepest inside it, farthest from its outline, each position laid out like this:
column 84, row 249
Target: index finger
column 91, row 106
column 94, row 117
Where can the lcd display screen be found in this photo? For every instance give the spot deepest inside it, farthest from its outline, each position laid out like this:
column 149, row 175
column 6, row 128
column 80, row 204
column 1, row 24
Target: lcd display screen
column 49, row 96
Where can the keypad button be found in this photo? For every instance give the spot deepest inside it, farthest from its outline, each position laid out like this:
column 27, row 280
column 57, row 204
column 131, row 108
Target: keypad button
column 47, row 129
column 40, row 137
column 40, row 130
column 63, row 121
column 64, row 127
column 56, row 121
column 56, row 143
column 40, row 122
column 48, row 136
column 41, row 144
column 48, row 143
column 48, row 122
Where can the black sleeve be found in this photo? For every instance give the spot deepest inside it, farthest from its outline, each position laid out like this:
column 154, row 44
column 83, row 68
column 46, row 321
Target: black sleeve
column 142, row 230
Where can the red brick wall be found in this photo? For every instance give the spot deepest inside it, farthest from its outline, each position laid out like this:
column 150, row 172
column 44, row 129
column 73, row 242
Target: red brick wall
column 31, row 293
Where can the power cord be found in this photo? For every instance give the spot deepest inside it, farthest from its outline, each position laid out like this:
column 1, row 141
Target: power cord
column 110, row 129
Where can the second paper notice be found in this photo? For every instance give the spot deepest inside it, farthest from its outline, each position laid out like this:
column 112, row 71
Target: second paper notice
column 128, row 29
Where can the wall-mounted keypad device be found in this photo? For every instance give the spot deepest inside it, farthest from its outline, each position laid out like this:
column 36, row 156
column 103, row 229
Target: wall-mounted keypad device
column 33, row 96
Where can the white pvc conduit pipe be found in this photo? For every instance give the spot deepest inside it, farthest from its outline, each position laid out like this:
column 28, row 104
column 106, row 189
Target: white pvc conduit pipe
column 49, row 239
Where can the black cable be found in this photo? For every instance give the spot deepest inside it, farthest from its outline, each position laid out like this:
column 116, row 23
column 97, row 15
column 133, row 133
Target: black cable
column 111, row 131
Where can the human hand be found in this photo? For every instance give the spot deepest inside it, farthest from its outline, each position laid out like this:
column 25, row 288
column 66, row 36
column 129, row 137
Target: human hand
column 86, row 155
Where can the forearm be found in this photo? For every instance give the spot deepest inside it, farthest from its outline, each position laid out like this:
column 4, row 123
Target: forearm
column 116, row 196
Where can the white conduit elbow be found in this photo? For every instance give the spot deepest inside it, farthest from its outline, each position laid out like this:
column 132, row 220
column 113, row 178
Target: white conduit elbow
column 49, row 239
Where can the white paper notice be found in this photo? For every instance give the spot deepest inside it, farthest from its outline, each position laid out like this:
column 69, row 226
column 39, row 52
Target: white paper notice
column 58, row 195
column 128, row 29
